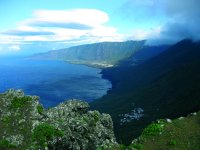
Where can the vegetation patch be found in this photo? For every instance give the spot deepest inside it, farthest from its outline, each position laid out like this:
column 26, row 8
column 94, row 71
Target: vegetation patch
column 6, row 144
column 172, row 142
column 153, row 129
column 177, row 134
column 19, row 102
column 6, row 119
column 137, row 146
column 44, row 133
column 40, row 109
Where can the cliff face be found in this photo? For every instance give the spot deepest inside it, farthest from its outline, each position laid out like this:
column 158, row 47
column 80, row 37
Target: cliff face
column 25, row 124
column 98, row 54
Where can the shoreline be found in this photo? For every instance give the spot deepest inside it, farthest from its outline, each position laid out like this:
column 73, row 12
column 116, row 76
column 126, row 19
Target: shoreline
column 104, row 68
column 93, row 65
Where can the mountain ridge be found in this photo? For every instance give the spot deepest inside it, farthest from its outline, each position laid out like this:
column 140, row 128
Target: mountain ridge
column 105, row 54
column 159, row 86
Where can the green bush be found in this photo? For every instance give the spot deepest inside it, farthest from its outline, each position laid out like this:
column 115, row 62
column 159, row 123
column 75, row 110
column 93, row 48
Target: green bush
column 136, row 146
column 173, row 143
column 114, row 147
column 152, row 129
column 6, row 119
column 96, row 116
column 40, row 109
column 19, row 102
column 6, row 144
column 45, row 132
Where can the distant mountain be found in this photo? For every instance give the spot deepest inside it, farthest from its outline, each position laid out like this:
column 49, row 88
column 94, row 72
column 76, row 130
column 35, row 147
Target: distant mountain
column 149, row 51
column 145, row 53
column 98, row 54
column 166, row 85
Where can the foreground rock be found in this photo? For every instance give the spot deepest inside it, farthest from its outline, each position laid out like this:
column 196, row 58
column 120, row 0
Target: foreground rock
column 24, row 124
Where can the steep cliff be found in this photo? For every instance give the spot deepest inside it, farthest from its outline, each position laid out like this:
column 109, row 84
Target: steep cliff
column 98, row 54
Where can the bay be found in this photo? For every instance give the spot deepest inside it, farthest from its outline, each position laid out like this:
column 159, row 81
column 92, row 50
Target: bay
column 52, row 81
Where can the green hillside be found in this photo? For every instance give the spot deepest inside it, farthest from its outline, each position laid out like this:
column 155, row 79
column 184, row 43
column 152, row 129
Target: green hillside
column 182, row 133
column 98, row 54
column 165, row 86
column 178, row 134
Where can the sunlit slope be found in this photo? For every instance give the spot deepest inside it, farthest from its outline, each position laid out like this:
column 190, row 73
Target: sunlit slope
column 97, row 54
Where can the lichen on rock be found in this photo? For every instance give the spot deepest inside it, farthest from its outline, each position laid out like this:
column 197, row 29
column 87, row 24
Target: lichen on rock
column 25, row 124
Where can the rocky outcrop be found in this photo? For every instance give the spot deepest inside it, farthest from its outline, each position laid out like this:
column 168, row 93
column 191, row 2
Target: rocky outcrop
column 25, row 124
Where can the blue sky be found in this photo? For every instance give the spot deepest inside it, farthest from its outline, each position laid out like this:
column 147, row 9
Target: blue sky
column 32, row 26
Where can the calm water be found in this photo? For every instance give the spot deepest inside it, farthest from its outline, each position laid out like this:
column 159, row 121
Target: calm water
column 53, row 81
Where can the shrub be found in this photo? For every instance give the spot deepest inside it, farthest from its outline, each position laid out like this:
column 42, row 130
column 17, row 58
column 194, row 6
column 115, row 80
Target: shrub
column 6, row 144
column 173, row 143
column 45, row 132
column 6, row 119
column 152, row 129
column 19, row 102
column 40, row 109
column 136, row 146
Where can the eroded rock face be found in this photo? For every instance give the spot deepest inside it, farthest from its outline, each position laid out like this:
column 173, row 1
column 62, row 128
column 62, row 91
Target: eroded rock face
column 24, row 124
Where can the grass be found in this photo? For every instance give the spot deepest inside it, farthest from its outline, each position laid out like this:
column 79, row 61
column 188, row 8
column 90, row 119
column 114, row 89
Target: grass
column 181, row 134
column 153, row 129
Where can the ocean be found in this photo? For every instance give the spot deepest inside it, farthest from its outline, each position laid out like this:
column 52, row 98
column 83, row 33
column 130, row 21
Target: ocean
column 52, row 81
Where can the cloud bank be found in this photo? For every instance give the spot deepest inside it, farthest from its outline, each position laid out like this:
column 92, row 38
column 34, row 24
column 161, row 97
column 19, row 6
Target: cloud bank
column 175, row 19
column 61, row 27
column 157, row 21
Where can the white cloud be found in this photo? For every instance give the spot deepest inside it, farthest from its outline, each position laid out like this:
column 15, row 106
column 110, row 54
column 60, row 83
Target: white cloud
column 90, row 17
column 9, row 39
column 141, row 34
column 34, row 38
column 103, row 31
column 178, row 19
column 14, row 48
column 61, row 26
column 27, row 28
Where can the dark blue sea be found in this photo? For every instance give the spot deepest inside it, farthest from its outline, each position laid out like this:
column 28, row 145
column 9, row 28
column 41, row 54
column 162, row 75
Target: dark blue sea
column 52, row 81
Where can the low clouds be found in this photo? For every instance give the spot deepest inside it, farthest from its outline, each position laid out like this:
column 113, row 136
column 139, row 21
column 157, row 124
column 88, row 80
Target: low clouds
column 184, row 19
column 177, row 19
column 26, row 33
column 61, row 27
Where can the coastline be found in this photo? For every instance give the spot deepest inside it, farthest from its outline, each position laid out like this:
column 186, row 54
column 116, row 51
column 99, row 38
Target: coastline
column 105, row 68
column 89, row 64
column 107, row 76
